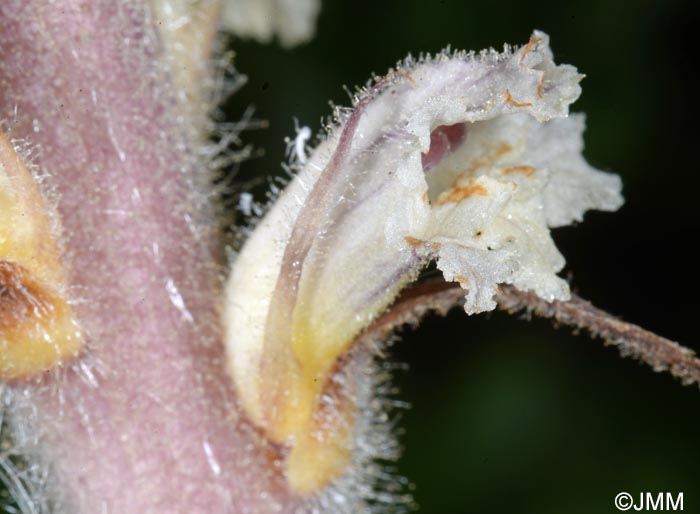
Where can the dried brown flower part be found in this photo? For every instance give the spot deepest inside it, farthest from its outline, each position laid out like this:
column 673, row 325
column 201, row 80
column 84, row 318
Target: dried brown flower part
column 37, row 327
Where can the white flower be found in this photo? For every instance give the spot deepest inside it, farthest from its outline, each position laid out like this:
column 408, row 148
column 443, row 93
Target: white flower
column 467, row 160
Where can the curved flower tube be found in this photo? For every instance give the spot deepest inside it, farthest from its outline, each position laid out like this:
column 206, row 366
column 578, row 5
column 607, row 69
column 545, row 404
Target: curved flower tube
column 464, row 159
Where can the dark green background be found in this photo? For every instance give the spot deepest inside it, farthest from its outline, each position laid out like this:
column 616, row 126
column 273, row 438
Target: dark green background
column 511, row 416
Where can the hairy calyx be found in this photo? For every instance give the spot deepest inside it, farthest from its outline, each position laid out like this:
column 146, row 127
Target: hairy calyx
column 464, row 159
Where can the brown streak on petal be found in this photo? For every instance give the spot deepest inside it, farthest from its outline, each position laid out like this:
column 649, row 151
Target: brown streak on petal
column 36, row 325
column 404, row 74
column 515, row 103
column 456, row 195
column 502, row 149
column 525, row 170
column 421, row 244
column 540, row 87
column 415, row 243
column 528, row 48
column 20, row 297
column 461, row 279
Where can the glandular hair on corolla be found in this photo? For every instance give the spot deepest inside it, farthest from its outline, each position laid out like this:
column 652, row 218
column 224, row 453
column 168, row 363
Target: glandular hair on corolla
column 465, row 159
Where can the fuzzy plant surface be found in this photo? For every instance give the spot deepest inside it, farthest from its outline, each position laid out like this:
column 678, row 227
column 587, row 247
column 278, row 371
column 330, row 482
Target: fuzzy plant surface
column 147, row 365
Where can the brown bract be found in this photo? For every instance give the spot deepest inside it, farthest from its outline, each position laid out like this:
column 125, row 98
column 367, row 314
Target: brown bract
column 37, row 327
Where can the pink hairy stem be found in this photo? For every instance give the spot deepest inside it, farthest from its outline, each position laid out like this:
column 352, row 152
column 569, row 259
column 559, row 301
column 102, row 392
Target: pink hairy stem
column 147, row 421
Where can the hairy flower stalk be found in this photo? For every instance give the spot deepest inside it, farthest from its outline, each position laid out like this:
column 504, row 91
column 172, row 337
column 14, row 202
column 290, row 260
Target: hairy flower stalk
column 467, row 160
